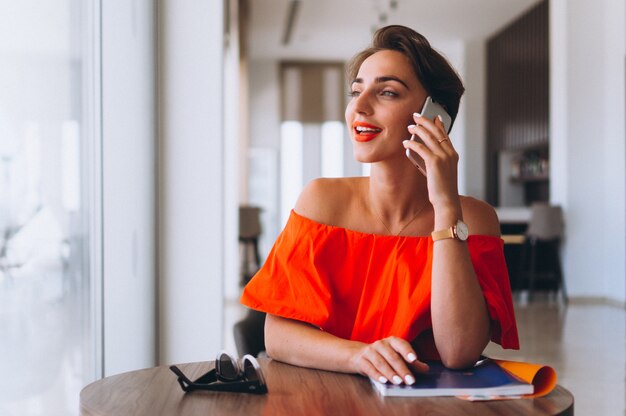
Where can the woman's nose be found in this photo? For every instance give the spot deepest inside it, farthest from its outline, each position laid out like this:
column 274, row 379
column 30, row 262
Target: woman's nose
column 362, row 103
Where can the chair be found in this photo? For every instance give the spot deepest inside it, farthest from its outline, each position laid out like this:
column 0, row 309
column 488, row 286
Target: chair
column 249, row 334
column 540, row 258
column 249, row 233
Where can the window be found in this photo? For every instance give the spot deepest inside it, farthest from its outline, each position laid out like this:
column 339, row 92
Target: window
column 314, row 139
column 290, row 166
column 46, row 325
column 332, row 149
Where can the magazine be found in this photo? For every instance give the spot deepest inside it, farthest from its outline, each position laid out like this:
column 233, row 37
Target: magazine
column 486, row 378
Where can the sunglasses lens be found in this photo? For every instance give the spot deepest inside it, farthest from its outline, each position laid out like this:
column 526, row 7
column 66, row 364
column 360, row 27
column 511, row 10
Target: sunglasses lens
column 227, row 367
column 250, row 372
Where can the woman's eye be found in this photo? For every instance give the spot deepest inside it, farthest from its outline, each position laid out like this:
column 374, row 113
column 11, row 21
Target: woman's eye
column 384, row 93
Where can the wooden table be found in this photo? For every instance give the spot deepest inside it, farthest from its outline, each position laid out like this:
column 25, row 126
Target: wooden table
column 292, row 391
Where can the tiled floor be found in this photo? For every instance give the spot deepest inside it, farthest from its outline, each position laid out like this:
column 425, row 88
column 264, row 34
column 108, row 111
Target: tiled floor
column 584, row 342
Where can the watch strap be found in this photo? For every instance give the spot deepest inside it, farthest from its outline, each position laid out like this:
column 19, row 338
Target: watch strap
column 443, row 234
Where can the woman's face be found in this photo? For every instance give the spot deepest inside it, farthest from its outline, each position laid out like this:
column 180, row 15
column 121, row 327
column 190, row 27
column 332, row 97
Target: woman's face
column 384, row 96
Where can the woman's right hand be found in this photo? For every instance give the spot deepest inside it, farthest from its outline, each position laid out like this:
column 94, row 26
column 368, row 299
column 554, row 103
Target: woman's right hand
column 388, row 359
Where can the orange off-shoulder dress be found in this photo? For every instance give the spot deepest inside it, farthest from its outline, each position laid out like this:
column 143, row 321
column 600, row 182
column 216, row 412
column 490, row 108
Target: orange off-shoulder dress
column 366, row 287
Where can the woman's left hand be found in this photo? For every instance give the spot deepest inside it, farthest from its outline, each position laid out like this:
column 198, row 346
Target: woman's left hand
column 441, row 160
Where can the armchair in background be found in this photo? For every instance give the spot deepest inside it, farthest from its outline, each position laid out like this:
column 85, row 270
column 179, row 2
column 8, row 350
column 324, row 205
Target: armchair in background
column 540, row 258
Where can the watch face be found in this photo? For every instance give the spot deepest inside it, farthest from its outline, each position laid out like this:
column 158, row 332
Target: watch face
column 461, row 231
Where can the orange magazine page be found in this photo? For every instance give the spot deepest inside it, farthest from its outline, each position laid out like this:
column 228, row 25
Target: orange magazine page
column 541, row 376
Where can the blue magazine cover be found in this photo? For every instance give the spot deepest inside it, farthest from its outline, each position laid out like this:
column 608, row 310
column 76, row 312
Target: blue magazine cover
column 484, row 379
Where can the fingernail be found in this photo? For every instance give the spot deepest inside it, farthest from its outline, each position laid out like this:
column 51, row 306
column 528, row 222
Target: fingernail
column 439, row 117
column 396, row 380
column 382, row 379
column 409, row 380
column 410, row 126
column 411, row 357
column 405, row 142
column 417, row 115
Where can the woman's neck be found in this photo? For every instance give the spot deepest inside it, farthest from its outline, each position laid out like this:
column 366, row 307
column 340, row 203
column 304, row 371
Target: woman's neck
column 396, row 194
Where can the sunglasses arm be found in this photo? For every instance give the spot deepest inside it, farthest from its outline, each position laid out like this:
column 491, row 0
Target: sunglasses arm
column 189, row 385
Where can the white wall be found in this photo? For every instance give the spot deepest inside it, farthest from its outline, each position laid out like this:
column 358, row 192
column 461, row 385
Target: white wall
column 588, row 142
column 233, row 127
column 191, row 180
column 264, row 114
column 474, row 107
column 264, row 103
column 128, row 152
column 614, row 152
column 468, row 132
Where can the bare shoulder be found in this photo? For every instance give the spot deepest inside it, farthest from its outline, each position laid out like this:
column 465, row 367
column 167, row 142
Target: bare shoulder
column 480, row 217
column 325, row 199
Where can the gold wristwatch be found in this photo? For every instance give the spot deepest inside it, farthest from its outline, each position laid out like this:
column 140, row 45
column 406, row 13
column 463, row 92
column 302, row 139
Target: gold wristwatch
column 458, row 231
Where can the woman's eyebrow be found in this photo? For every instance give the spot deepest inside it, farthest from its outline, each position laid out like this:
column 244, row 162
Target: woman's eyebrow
column 381, row 79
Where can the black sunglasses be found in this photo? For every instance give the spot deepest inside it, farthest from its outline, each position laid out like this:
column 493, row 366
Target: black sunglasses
column 228, row 375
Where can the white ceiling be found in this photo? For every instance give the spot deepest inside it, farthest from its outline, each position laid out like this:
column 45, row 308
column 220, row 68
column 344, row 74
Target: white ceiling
column 336, row 29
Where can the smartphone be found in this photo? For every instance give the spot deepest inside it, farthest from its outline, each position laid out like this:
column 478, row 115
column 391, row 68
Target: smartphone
column 431, row 110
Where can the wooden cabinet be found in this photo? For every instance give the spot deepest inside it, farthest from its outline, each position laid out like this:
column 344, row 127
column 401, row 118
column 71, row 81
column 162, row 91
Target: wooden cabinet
column 518, row 105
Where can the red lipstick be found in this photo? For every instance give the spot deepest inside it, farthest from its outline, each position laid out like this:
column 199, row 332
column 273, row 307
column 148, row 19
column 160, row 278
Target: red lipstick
column 364, row 132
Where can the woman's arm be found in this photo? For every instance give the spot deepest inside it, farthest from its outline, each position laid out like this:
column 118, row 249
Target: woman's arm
column 304, row 345
column 461, row 324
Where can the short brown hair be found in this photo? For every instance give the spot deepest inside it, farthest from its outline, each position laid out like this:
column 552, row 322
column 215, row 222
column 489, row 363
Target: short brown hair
column 433, row 71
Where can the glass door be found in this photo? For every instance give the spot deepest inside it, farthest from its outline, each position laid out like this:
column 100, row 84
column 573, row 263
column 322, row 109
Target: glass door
column 47, row 342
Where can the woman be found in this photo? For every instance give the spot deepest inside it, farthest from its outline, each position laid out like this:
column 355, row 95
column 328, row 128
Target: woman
column 355, row 282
